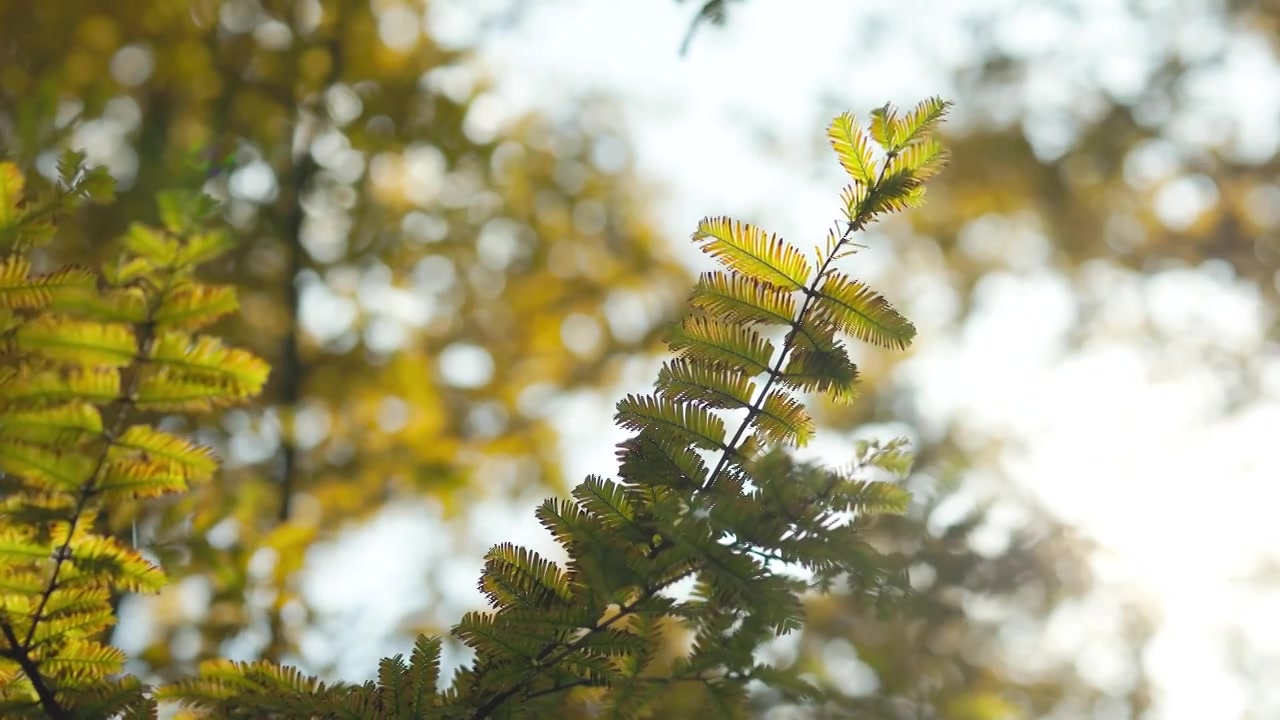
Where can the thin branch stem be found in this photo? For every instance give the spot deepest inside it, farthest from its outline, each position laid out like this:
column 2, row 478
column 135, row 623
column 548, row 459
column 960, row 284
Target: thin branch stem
column 22, row 655
column 548, row 657
column 292, row 367
column 129, row 384
column 788, row 344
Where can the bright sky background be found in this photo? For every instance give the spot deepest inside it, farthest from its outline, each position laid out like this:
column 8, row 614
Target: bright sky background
column 1190, row 486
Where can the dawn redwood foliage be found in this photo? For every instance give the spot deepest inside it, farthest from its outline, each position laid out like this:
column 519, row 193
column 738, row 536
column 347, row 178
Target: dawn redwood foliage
column 706, row 489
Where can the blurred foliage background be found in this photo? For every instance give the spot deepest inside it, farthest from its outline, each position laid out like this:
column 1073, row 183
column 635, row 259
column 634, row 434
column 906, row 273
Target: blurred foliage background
column 409, row 270
column 432, row 275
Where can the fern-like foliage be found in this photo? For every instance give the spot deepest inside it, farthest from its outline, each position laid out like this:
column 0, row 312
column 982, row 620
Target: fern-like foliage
column 85, row 356
column 702, row 496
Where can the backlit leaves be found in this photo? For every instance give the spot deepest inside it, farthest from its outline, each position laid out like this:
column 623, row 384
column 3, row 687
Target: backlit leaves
column 749, row 251
column 11, row 185
column 783, row 419
column 693, row 501
column 712, row 341
column 54, row 425
column 204, row 358
column 915, row 127
column 710, row 385
column 668, row 519
column 190, row 306
column 920, row 160
column 131, row 478
column 83, row 660
column 108, row 558
column 867, row 496
column 18, row 290
column 743, row 299
column 660, row 459
column 89, row 343
column 691, row 423
column 197, row 462
column 80, row 357
column 226, row 679
column 517, row 577
column 44, row 466
column 863, row 313
column 852, row 149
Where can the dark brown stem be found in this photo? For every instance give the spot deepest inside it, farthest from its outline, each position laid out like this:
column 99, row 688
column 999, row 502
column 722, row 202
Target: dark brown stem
column 48, row 701
column 546, row 659
column 292, row 367
column 810, row 293
column 129, row 383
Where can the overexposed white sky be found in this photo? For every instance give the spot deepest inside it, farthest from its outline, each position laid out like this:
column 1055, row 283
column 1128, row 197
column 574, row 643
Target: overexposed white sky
column 1133, row 443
